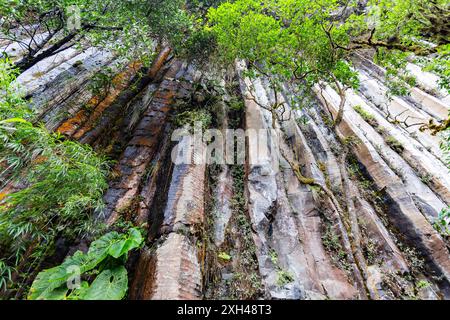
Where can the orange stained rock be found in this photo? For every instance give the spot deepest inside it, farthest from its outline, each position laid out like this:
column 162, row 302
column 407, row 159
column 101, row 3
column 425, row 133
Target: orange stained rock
column 159, row 62
column 71, row 127
column 165, row 95
column 40, row 159
column 6, row 191
column 3, row 195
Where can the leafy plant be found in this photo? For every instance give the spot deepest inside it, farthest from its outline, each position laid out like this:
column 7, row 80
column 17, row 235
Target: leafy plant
column 395, row 144
column 105, row 256
column 368, row 117
column 422, row 284
column 62, row 182
column 284, row 278
column 194, row 117
column 311, row 42
column 130, row 28
column 273, row 257
column 5, row 274
column 101, row 83
column 442, row 223
column 224, row 256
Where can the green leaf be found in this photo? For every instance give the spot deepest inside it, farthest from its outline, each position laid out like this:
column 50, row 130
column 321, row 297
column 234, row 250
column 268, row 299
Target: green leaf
column 79, row 293
column 58, row 293
column 46, row 282
column 109, row 285
column 49, row 283
column 14, row 120
column 53, row 279
column 224, row 256
column 134, row 240
column 102, row 246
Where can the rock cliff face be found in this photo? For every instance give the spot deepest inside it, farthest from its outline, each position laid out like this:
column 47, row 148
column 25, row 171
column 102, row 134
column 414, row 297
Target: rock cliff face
column 325, row 213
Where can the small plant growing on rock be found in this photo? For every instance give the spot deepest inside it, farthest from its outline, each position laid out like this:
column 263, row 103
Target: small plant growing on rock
column 351, row 141
column 395, row 144
column 370, row 251
column 190, row 118
column 302, row 121
column 224, row 256
column 442, row 223
column 369, row 118
column 284, row 278
column 273, row 256
column 422, row 284
column 426, row 178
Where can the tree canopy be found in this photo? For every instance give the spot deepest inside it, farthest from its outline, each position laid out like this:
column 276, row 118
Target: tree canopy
column 313, row 41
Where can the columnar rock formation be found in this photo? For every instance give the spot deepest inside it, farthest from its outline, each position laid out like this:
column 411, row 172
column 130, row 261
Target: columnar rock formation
column 348, row 214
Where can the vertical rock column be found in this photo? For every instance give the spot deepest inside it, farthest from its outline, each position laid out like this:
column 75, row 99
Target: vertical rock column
column 171, row 269
column 286, row 215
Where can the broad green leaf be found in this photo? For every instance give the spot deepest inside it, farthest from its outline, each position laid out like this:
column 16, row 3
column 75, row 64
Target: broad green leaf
column 46, row 282
column 122, row 247
column 80, row 292
column 58, row 294
column 102, row 246
column 224, row 256
column 113, row 244
column 51, row 279
column 109, row 285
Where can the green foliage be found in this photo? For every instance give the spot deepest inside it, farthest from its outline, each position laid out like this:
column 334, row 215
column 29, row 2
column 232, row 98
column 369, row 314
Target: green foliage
column 445, row 146
column 193, row 117
column 284, row 39
column 108, row 285
column 62, row 181
column 395, row 144
column 101, row 83
column 273, row 256
column 442, row 223
column 167, row 20
column 368, row 117
column 106, row 255
column 332, row 243
column 398, row 79
column 224, row 256
column 5, row 274
column 130, row 28
column 440, row 65
column 411, row 27
column 422, row 284
column 284, row 278
column 12, row 104
column 201, row 6
column 312, row 41
column 199, row 46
